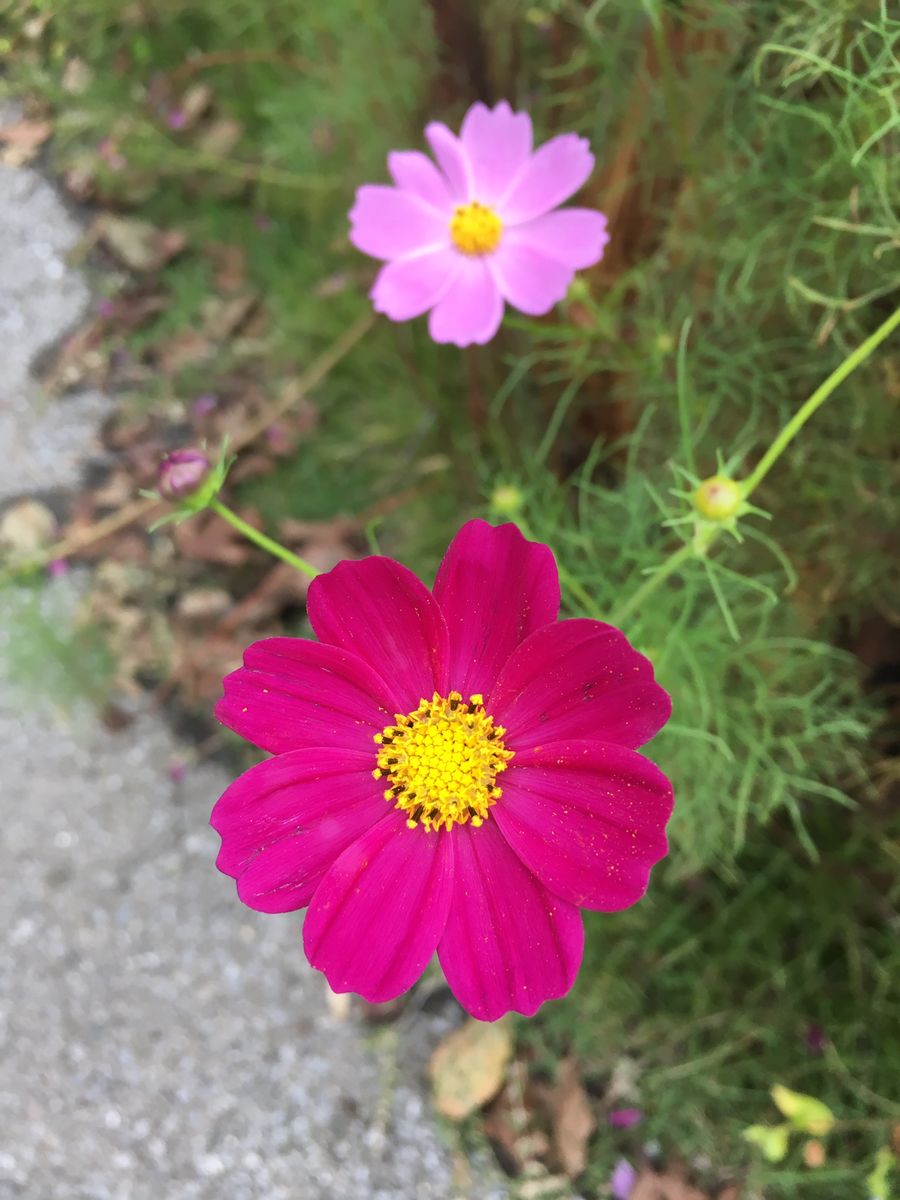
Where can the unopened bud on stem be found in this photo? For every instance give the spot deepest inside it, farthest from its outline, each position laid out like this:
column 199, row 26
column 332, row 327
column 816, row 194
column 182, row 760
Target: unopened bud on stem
column 718, row 498
column 182, row 473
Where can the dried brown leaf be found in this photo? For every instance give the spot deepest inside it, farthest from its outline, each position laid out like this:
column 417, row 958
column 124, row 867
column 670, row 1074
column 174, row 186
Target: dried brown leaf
column 21, row 141
column 223, row 317
column 210, row 539
column 185, row 349
column 573, row 1119
column 137, row 244
column 468, row 1067
column 219, row 137
column 667, row 1185
column 25, row 528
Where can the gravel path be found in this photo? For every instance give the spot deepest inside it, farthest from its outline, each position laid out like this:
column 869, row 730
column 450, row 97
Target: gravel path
column 159, row 1041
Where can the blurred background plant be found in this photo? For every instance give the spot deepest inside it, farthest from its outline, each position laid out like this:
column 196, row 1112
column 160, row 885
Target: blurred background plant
column 748, row 162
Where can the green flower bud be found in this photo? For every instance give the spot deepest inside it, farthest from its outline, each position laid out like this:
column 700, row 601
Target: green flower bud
column 718, row 498
column 507, row 500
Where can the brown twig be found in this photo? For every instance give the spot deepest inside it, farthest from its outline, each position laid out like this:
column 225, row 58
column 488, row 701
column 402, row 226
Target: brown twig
column 228, row 58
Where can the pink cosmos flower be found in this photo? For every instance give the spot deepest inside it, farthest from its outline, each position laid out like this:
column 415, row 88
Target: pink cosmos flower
column 479, row 229
column 454, row 770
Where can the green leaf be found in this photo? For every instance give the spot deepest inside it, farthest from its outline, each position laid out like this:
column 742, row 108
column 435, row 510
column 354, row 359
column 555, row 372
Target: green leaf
column 771, row 1139
column 804, row 1112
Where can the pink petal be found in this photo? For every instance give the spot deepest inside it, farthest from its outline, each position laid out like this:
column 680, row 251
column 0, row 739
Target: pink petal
column 379, row 913
column 408, row 287
column 388, row 223
column 579, row 679
column 471, row 309
column 588, row 818
column 285, row 821
column 528, row 279
column 553, row 173
column 494, row 588
column 509, row 944
column 380, row 611
column 452, row 159
column 573, row 236
column 292, row 693
column 497, row 143
column 414, row 172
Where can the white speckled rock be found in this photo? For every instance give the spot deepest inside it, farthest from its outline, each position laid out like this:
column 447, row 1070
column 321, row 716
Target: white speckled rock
column 160, row 1041
column 44, row 443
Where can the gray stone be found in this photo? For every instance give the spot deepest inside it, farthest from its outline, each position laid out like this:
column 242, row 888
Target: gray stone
column 160, row 1041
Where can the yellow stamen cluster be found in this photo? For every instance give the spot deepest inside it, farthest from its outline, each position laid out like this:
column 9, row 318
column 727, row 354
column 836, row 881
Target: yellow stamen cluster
column 441, row 762
column 475, row 228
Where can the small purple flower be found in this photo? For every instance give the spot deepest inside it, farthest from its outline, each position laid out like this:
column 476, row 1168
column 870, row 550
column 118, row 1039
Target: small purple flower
column 263, row 222
column 106, row 309
column 109, row 152
column 278, row 439
column 181, row 473
column 177, row 770
column 625, row 1118
column 816, row 1039
column 204, row 405
column 622, row 1180
column 57, row 568
column 176, row 118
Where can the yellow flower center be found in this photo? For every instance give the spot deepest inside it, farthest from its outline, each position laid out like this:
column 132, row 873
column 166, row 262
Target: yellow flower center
column 441, row 762
column 475, row 228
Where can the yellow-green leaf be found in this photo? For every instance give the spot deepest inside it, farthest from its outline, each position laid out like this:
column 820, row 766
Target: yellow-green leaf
column 804, row 1112
column 771, row 1139
column 877, row 1180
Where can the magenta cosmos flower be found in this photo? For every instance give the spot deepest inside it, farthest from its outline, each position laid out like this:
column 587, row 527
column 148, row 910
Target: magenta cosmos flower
column 454, row 771
column 479, row 229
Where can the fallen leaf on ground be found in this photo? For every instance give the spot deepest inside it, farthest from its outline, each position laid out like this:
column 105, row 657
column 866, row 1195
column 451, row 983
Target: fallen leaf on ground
column 222, row 317
column 138, row 244
column 468, row 1067
column 207, row 538
column 26, row 527
column 187, row 348
column 220, row 137
column 194, row 103
column 22, row 140
column 666, row 1186
column 573, row 1119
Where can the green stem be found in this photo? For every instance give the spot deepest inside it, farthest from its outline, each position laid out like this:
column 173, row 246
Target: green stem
column 816, row 400
column 693, row 549
column 262, row 540
column 649, row 586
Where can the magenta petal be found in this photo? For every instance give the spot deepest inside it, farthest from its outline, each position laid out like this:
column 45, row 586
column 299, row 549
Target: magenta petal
column 452, row 159
column 553, row 173
column 380, row 611
column 579, row 679
column 588, row 818
column 414, row 172
column 494, row 589
column 408, row 287
column 509, row 944
column 471, row 309
column 497, row 143
column 379, row 913
column 574, row 237
column 285, row 821
column 292, row 693
column 388, row 223
column 528, row 279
